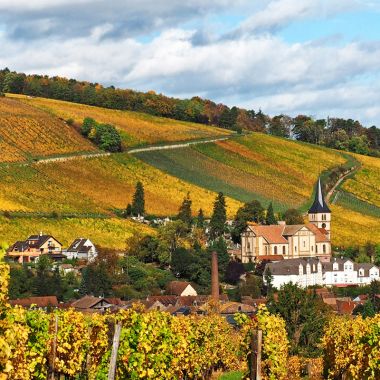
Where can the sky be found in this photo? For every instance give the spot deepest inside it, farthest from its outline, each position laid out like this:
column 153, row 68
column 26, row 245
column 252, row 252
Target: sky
column 313, row 57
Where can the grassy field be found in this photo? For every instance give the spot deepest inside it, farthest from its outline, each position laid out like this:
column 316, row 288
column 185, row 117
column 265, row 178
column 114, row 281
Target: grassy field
column 27, row 132
column 365, row 185
column 110, row 233
column 257, row 166
column 136, row 128
column 97, row 185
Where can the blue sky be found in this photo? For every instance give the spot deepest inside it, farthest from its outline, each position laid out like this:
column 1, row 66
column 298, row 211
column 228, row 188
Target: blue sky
column 316, row 57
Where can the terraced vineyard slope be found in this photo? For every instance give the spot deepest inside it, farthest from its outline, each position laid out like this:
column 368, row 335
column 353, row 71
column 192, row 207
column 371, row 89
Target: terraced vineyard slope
column 257, row 166
column 27, row 133
column 136, row 128
column 97, row 185
column 365, row 185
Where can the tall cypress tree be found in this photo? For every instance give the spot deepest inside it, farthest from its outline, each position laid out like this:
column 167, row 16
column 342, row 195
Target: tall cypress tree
column 219, row 217
column 270, row 218
column 200, row 219
column 138, row 202
column 184, row 212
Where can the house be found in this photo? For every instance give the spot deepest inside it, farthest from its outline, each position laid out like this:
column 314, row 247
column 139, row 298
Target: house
column 82, row 249
column 312, row 271
column 91, row 304
column 303, row 272
column 38, row 302
column 290, row 241
column 181, row 288
column 344, row 272
column 34, row 246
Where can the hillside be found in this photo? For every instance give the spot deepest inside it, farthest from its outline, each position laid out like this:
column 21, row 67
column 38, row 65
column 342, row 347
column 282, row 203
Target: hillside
column 82, row 192
column 136, row 128
column 257, row 166
column 27, row 133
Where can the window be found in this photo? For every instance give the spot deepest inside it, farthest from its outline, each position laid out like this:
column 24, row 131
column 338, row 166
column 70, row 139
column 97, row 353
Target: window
column 324, row 248
column 275, row 250
column 283, row 250
column 304, row 243
column 295, row 248
column 316, row 249
column 323, row 225
column 312, row 248
column 248, row 246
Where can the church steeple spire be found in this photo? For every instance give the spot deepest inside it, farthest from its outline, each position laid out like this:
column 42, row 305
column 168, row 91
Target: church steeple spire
column 319, row 205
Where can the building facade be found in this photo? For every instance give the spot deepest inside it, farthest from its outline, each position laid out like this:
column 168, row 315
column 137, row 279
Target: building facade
column 291, row 241
column 34, row 246
column 311, row 271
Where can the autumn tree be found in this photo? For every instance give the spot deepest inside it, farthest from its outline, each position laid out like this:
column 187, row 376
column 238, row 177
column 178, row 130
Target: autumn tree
column 293, row 216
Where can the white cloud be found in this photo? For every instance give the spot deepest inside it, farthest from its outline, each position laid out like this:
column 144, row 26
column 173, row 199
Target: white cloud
column 253, row 70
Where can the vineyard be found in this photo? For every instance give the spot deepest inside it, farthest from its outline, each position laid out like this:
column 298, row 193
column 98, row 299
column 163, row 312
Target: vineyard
column 253, row 167
column 365, row 185
column 153, row 345
column 27, row 133
column 136, row 128
column 109, row 232
column 351, row 228
column 97, row 185
column 35, row 344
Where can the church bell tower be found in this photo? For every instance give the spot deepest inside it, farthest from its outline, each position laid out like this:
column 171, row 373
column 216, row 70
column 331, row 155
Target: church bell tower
column 319, row 213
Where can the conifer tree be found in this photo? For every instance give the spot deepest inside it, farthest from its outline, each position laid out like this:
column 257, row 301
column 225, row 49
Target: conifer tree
column 219, row 217
column 270, row 217
column 184, row 213
column 138, row 202
column 200, row 219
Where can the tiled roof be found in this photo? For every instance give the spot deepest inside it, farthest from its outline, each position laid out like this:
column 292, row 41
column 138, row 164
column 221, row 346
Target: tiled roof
column 291, row 266
column 87, row 302
column 44, row 301
column 177, row 287
column 272, row 234
column 320, row 233
column 78, row 245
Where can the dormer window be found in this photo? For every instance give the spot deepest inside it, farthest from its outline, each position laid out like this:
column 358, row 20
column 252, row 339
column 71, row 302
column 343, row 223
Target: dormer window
column 335, row 266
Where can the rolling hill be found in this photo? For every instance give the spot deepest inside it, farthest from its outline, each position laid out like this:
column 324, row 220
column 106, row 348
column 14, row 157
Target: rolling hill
column 137, row 129
column 27, row 133
column 84, row 193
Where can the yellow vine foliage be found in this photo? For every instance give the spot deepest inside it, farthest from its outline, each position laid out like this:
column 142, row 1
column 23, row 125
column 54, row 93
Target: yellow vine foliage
column 352, row 348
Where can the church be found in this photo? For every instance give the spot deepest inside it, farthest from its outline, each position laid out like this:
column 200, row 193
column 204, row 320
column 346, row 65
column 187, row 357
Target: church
column 281, row 241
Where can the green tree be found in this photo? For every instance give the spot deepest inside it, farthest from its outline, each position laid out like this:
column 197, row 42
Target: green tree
column 293, row 216
column 184, row 213
column 200, row 219
column 43, row 283
column 305, row 315
column 218, row 218
column 270, row 217
column 138, row 202
column 87, row 126
column 251, row 212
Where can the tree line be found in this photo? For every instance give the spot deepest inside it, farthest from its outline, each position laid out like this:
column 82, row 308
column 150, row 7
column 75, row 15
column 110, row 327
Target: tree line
column 338, row 133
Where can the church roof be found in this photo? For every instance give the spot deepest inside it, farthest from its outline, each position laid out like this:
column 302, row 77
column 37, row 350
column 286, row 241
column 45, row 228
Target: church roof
column 319, row 205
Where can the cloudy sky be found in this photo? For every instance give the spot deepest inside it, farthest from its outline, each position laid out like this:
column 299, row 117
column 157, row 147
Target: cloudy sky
column 317, row 57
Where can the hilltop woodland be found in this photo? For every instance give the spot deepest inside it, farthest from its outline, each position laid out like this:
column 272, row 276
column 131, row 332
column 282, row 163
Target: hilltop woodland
column 338, row 133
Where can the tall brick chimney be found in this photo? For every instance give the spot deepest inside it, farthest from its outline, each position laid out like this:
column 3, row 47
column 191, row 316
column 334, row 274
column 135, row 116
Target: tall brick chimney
column 214, row 277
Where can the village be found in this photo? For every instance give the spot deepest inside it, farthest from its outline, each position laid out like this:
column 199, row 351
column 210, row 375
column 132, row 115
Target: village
column 298, row 254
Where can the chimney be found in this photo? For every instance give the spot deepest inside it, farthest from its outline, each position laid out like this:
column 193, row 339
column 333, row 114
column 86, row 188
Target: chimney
column 214, row 277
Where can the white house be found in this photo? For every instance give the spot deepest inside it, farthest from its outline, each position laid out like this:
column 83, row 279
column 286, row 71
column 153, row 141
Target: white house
column 82, row 249
column 290, row 241
column 311, row 271
column 303, row 272
column 342, row 272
